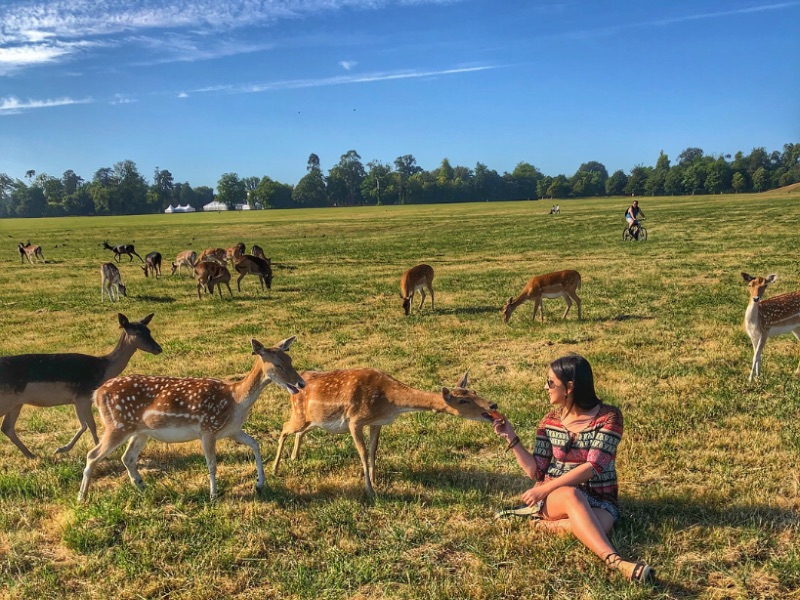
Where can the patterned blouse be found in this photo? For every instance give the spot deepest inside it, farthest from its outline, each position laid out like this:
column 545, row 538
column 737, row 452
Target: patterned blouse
column 558, row 451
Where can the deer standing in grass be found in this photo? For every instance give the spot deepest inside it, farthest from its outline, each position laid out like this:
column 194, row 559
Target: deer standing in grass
column 56, row 379
column 218, row 255
column 121, row 249
column 764, row 319
column 152, row 264
column 552, row 285
column 210, row 274
column 416, row 278
column 110, row 281
column 30, row 251
column 175, row 409
column 187, row 259
column 350, row 400
column 252, row 265
column 258, row 251
column 234, row 253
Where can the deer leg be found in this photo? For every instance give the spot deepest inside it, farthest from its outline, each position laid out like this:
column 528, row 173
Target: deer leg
column 430, row 289
column 298, row 438
column 243, row 438
column 227, row 285
column 131, row 457
column 357, row 431
column 758, row 346
column 374, row 433
column 422, row 298
column 140, row 258
column 8, row 428
column 578, row 302
column 569, row 305
column 210, row 450
column 536, row 304
column 281, row 442
column 238, row 285
column 796, row 333
column 83, row 410
column 112, row 439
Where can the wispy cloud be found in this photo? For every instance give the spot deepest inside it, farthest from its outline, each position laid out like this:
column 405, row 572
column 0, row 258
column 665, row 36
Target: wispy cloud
column 122, row 99
column 255, row 88
column 347, row 64
column 11, row 105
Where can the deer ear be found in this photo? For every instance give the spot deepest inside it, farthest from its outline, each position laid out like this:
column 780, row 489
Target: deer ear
column 463, row 381
column 147, row 319
column 772, row 278
column 446, row 393
column 123, row 320
column 747, row 277
column 286, row 344
column 258, row 347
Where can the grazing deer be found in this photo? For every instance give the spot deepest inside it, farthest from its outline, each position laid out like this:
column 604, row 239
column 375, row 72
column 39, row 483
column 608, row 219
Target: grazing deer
column 30, row 251
column 152, row 264
column 416, row 278
column 349, row 400
column 252, row 265
column 764, row 319
column 121, row 249
column 234, row 253
column 258, row 251
column 217, row 255
column 187, row 259
column 552, row 285
column 210, row 274
column 110, row 281
column 175, row 409
column 56, row 379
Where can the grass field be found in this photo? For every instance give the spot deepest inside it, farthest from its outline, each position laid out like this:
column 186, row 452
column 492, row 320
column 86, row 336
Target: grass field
column 708, row 463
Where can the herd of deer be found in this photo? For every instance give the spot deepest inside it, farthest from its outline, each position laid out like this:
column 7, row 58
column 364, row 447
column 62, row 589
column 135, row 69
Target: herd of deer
column 210, row 268
column 179, row 409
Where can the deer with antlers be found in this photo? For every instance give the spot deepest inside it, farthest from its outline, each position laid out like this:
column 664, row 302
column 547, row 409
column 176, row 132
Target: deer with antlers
column 121, row 249
column 350, row 400
column 111, row 281
column 252, row 265
column 561, row 284
column 416, row 278
column 764, row 319
column 56, row 379
column 175, row 409
column 187, row 259
column 30, row 251
column 209, row 274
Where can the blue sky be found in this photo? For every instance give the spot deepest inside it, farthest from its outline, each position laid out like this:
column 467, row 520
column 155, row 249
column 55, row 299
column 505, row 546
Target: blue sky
column 206, row 87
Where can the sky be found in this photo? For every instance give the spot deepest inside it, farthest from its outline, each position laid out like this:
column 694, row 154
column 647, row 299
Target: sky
column 253, row 87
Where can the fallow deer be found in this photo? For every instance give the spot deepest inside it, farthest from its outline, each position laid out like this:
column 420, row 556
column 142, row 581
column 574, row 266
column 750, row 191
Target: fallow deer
column 110, row 281
column 56, row 379
column 416, row 278
column 258, row 251
column 252, row 265
column 187, row 259
column 217, row 255
column 551, row 285
column 121, row 249
column 234, row 253
column 174, row 409
column 209, row 274
column 350, row 400
column 30, row 251
column 152, row 264
column 764, row 319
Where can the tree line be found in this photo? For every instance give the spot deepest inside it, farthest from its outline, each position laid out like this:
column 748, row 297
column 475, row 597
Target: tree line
column 123, row 190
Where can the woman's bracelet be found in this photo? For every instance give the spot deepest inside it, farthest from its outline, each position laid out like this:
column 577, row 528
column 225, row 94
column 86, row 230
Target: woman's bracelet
column 512, row 443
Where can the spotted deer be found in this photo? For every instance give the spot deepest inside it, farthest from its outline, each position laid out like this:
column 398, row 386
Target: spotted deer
column 121, row 249
column 152, row 264
column 110, row 281
column 252, row 265
column 234, row 253
column 187, row 259
column 56, row 379
column 551, row 285
column 416, row 278
column 30, row 251
column 350, row 400
column 209, row 274
column 217, row 255
column 764, row 319
column 176, row 409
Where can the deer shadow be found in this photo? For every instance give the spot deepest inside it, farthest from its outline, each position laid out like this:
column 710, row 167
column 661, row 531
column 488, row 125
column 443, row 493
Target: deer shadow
column 469, row 310
column 156, row 299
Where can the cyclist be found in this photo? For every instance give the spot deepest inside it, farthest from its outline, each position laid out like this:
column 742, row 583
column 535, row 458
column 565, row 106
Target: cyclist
column 632, row 217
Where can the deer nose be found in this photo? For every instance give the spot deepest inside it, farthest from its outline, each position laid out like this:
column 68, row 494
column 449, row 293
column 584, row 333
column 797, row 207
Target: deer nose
column 493, row 406
column 301, row 384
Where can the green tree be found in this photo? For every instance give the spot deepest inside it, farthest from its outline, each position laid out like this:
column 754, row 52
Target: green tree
column 673, row 182
column 162, row 190
column 310, row 190
column 250, row 185
column 760, row 179
column 719, row 177
column 689, row 156
column 524, row 179
column 739, row 182
column 128, row 190
column 543, row 186
column 559, row 187
column 488, row 184
column 272, row 194
column 344, row 180
column 231, row 190
column 637, row 180
column 376, row 185
column 615, row 185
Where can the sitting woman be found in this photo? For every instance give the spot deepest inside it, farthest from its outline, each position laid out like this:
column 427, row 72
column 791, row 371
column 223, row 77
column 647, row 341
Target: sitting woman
column 573, row 464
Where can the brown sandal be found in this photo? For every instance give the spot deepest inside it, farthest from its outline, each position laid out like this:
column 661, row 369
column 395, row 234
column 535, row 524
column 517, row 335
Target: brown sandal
column 643, row 573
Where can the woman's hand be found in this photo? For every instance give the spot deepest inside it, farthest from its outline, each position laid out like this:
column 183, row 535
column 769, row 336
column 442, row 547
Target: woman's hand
column 534, row 495
column 503, row 428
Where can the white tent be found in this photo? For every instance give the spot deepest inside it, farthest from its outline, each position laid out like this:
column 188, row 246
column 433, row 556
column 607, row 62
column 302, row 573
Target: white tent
column 187, row 208
column 170, row 209
column 215, row 206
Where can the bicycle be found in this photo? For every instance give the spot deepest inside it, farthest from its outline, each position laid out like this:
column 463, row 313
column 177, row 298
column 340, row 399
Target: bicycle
column 626, row 233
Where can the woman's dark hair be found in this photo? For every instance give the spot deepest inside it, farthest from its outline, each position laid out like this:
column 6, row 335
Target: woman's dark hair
column 577, row 369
